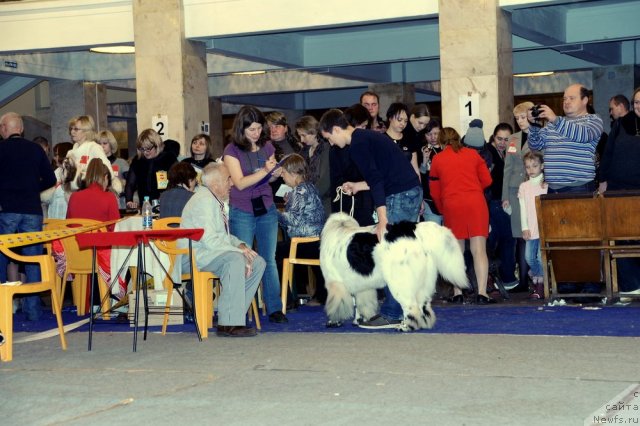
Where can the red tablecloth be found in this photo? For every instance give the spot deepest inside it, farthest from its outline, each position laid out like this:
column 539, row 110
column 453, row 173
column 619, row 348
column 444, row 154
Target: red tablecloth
column 132, row 238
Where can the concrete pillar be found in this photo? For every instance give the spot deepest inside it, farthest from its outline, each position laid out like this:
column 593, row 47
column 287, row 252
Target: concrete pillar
column 216, row 127
column 394, row 92
column 171, row 72
column 72, row 98
column 475, row 58
column 608, row 82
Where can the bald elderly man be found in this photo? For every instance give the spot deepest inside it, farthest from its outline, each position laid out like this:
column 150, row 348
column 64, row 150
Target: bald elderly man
column 25, row 171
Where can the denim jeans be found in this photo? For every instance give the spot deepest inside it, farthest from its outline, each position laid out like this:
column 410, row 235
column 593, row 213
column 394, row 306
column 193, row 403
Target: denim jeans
column 264, row 229
column 12, row 223
column 533, row 258
column 587, row 187
column 430, row 216
column 401, row 206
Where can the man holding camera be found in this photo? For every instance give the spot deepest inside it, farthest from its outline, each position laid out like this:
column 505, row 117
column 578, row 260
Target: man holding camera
column 569, row 142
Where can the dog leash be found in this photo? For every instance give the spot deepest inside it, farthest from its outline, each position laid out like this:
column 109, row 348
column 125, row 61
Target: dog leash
column 339, row 194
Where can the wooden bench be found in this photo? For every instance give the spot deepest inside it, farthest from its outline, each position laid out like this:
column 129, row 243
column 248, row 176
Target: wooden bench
column 622, row 230
column 580, row 238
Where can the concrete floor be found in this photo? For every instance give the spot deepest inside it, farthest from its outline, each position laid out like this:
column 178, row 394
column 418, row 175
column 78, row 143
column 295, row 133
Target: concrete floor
column 314, row 379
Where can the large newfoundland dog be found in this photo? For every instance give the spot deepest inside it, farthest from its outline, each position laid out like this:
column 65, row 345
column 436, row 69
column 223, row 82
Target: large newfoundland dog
column 408, row 260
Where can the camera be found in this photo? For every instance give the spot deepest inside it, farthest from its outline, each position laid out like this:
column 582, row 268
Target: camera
column 535, row 110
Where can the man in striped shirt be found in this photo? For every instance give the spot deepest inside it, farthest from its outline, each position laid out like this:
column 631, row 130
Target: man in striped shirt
column 569, row 142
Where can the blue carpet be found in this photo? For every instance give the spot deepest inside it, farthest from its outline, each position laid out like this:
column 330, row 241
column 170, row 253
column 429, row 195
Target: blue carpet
column 622, row 321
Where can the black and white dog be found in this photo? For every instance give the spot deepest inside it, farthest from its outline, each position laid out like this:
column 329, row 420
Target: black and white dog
column 408, row 260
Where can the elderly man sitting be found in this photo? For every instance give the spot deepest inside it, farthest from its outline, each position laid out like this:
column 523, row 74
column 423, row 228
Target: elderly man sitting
column 239, row 268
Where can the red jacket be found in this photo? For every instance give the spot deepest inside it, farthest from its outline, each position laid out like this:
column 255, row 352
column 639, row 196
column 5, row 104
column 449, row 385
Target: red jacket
column 457, row 175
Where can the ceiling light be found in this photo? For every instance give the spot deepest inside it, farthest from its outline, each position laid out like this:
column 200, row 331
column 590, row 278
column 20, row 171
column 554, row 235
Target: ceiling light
column 113, row 49
column 534, row 74
column 249, row 73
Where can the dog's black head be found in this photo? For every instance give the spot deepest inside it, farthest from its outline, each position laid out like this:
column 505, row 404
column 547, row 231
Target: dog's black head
column 360, row 252
column 399, row 230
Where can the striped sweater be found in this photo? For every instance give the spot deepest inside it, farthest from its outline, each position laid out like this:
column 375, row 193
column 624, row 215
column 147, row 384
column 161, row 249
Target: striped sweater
column 569, row 146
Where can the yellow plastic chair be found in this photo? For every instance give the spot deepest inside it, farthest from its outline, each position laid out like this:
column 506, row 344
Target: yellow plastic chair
column 80, row 263
column 47, row 283
column 287, row 266
column 203, row 282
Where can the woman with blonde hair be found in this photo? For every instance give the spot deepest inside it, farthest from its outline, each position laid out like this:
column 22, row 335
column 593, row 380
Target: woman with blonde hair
column 148, row 175
column 85, row 148
column 514, row 175
column 120, row 167
column 457, row 179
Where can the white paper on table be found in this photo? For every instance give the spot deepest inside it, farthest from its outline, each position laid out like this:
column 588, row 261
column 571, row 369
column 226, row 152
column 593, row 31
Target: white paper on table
column 283, row 190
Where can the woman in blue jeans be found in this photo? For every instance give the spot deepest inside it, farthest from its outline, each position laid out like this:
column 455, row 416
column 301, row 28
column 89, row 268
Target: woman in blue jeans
column 252, row 214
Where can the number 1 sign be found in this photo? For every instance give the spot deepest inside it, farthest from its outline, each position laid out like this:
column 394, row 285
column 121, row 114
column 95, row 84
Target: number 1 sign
column 469, row 109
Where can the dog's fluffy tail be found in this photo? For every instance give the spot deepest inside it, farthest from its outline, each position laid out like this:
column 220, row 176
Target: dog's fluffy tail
column 446, row 252
column 337, row 224
column 339, row 304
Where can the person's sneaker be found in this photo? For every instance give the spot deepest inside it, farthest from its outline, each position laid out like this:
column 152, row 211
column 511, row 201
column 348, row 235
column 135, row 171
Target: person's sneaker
column 511, row 285
column 379, row 322
column 278, row 317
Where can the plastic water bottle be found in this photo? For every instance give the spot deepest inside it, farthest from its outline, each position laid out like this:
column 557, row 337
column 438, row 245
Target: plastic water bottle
column 147, row 218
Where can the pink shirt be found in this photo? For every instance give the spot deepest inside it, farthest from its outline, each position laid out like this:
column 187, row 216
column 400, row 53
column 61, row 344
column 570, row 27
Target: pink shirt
column 527, row 194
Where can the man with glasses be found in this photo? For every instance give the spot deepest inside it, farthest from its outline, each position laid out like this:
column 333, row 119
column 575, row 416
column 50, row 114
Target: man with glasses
column 25, row 171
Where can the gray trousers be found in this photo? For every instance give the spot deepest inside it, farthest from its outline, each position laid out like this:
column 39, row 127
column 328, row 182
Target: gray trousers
column 237, row 290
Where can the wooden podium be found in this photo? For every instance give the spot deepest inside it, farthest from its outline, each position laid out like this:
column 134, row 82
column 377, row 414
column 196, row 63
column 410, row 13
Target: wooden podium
column 134, row 239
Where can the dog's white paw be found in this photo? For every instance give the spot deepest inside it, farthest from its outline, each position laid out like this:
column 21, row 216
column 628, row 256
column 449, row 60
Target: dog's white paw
column 404, row 327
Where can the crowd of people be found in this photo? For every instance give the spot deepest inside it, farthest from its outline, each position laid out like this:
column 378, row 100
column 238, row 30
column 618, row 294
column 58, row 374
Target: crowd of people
column 409, row 167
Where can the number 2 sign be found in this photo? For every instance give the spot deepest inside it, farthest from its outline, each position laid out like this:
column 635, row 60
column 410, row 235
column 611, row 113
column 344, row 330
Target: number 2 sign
column 160, row 123
column 469, row 109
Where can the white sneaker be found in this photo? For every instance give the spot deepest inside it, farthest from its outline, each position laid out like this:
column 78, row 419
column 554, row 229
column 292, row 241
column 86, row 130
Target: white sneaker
column 511, row 285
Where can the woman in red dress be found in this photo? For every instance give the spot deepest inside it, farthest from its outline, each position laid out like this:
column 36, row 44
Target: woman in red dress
column 457, row 181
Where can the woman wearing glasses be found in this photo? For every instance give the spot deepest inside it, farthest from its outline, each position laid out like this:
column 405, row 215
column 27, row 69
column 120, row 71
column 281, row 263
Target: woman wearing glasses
column 148, row 174
column 514, row 175
column 85, row 148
